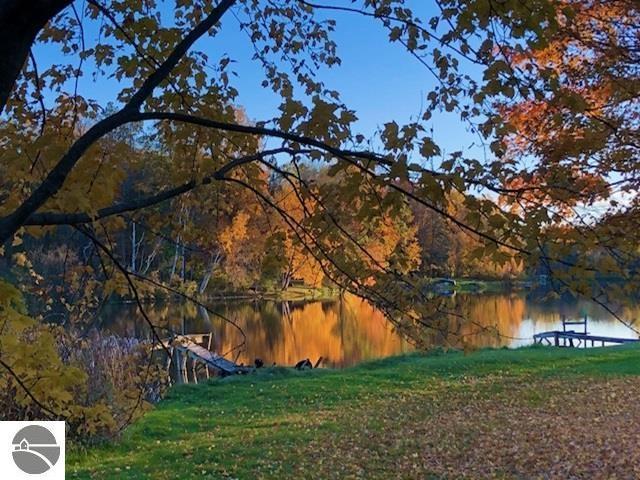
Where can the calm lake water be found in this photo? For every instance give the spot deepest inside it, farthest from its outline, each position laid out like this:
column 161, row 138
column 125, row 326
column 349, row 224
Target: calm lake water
column 345, row 332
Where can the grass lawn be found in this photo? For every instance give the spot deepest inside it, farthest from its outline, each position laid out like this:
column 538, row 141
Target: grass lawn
column 534, row 412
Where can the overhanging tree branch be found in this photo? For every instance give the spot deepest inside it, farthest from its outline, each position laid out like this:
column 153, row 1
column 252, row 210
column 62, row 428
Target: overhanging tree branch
column 10, row 224
column 130, row 275
column 348, row 156
column 60, row 218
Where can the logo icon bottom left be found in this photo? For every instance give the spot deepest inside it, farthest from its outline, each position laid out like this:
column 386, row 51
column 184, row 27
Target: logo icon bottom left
column 35, row 449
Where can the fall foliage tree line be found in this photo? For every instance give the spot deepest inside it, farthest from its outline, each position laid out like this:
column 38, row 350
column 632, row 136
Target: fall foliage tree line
column 212, row 247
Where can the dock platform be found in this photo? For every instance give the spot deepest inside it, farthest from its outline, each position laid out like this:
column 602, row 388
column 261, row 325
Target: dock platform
column 572, row 338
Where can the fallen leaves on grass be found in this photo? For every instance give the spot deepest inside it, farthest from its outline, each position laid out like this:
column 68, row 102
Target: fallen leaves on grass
column 490, row 428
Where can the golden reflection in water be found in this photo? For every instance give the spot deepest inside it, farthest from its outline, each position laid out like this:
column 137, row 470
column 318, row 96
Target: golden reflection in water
column 342, row 332
column 479, row 321
column 350, row 330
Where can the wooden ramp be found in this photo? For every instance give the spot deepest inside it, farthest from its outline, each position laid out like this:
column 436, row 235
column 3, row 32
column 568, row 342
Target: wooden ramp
column 213, row 360
column 185, row 347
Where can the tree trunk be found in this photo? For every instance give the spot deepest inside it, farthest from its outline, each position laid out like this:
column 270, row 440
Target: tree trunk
column 213, row 263
column 175, row 260
column 20, row 22
column 149, row 260
column 184, row 265
column 286, row 279
column 133, row 246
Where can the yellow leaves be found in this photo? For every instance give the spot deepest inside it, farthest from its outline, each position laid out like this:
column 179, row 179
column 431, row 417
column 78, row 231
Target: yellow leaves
column 234, row 233
column 429, row 148
column 93, row 420
column 390, row 135
column 291, row 111
column 20, row 259
column 117, row 284
column 10, row 297
column 29, row 348
column 96, row 181
column 305, row 267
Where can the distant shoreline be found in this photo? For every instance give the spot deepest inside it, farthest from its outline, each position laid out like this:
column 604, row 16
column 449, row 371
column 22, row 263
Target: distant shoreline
column 305, row 294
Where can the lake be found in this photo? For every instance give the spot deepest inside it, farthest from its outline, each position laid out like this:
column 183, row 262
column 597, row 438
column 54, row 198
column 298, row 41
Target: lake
column 347, row 331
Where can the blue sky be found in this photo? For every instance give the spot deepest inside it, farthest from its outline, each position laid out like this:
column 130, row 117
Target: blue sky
column 377, row 79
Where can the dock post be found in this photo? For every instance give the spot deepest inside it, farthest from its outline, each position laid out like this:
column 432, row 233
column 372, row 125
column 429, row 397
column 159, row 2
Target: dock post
column 169, row 358
column 184, row 368
column 178, row 364
column 193, row 371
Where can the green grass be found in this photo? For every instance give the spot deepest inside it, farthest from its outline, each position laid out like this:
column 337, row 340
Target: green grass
column 280, row 423
column 293, row 293
column 298, row 293
column 470, row 285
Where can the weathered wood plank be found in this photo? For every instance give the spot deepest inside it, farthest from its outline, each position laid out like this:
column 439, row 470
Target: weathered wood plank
column 213, row 360
column 187, row 346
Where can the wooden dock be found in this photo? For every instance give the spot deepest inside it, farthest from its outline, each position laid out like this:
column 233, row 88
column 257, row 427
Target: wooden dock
column 571, row 338
column 559, row 338
column 185, row 347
